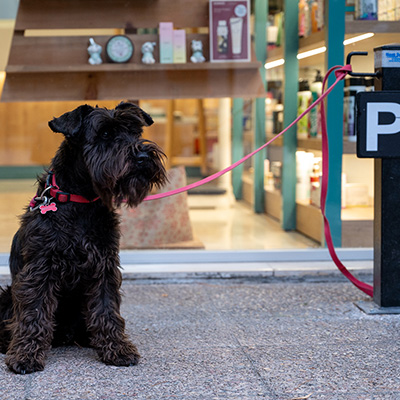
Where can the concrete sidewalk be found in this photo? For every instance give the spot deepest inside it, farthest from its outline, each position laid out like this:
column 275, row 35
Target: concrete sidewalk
column 246, row 337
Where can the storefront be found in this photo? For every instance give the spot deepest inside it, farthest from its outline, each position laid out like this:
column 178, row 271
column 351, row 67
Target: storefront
column 207, row 114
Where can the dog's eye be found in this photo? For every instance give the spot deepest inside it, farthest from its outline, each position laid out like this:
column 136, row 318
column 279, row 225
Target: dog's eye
column 105, row 135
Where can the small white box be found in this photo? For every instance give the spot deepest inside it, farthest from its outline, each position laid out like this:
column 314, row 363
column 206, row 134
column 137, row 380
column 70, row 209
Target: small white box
column 356, row 195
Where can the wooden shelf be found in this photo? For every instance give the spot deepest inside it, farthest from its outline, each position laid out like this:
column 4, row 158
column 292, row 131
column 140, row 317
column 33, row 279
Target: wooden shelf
column 310, row 144
column 372, row 26
column 312, row 41
column 352, row 28
column 316, row 144
column 43, row 67
column 108, row 67
column 132, row 84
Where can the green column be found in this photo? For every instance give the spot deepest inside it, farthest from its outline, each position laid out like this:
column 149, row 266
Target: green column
column 237, row 146
column 291, row 73
column 260, row 24
column 334, row 36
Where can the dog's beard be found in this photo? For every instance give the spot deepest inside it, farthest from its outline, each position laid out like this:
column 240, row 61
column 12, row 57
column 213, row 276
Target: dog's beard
column 124, row 178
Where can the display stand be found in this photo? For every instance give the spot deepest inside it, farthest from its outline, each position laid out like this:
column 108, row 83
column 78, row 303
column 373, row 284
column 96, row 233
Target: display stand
column 347, row 223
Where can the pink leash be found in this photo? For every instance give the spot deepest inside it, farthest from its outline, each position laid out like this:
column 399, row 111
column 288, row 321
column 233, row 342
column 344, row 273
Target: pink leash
column 340, row 73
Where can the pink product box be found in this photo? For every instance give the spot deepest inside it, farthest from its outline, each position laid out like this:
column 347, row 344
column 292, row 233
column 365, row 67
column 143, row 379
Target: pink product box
column 229, row 30
column 166, row 42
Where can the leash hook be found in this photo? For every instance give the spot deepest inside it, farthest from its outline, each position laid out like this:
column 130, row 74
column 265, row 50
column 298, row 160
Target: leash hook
column 360, row 74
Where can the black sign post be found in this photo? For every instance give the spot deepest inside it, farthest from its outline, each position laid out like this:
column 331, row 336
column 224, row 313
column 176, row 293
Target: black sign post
column 378, row 136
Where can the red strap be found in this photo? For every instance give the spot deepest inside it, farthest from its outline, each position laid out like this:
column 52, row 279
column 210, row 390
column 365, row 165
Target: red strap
column 64, row 197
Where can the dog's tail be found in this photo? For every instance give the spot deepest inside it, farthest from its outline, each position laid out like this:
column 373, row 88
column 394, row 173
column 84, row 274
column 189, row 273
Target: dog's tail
column 6, row 310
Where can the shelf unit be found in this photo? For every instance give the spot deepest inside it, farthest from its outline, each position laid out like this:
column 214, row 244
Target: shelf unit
column 308, row 218
column 45, row 65
column 48, row 58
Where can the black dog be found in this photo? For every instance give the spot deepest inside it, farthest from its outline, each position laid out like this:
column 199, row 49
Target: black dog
column 64, row 259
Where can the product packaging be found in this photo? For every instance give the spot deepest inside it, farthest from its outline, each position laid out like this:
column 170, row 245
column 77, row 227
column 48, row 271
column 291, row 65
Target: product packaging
column 229, row 30
column 166, row 42
column 179, row 36
column 366, row 9
column 321, row 17
column 304, row 169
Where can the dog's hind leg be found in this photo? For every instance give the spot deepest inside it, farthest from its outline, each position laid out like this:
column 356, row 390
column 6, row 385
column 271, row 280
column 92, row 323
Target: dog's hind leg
column 32, row 326
column 6, row 311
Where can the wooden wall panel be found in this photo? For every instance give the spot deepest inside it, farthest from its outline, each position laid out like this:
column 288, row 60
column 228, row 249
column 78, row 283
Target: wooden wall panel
column 25, row 138
column 80, row 14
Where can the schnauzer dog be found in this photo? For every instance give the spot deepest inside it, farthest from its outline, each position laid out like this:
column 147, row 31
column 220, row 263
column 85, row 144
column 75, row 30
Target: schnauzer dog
column 64, row 259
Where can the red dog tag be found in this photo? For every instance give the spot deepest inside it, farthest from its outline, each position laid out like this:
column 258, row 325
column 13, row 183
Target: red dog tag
column 49, row 207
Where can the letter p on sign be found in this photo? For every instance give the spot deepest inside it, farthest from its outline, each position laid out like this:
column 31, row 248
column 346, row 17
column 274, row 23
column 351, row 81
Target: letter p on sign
column 378, row 123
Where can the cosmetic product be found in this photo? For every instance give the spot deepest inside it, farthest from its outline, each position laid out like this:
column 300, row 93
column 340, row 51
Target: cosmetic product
column 236, row 25
column 222, row 37
column 179, row 36
column 166, row 43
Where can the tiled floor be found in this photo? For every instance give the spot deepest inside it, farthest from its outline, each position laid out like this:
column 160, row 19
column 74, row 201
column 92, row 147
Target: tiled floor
column 224, row 228
column 238, row 228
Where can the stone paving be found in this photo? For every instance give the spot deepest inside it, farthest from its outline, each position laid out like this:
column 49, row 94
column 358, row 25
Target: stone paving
column 245, row 338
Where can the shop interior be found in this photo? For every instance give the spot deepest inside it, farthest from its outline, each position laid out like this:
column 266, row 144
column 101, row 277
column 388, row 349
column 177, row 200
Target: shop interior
column 198, row 133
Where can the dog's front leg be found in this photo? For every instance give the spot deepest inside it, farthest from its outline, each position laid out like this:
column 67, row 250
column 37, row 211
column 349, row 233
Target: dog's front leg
column 104, row 322
column 32, row 324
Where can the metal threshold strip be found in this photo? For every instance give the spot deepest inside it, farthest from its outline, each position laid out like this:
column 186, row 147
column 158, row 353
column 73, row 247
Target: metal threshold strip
column 232, row 256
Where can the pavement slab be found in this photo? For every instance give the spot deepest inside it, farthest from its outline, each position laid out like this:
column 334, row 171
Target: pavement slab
column 232, row 339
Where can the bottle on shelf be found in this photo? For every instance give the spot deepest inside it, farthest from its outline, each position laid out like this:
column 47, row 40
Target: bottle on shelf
column 314, row 15
column 304, row 18
column 314, row 119
column 303, row 101
column 315, row 183
column 353, row 86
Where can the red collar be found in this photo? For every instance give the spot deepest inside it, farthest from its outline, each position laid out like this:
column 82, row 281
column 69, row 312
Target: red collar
column 64, row 197
column 53, row 192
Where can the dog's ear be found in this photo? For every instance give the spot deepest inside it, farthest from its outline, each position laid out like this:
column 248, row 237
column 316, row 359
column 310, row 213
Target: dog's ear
column 146, row 119
column 70, row 123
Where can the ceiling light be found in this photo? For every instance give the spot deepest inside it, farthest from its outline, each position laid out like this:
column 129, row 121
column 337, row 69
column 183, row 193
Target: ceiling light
column 273, row 64
column 310, row 53
column 358, row 38
column 318, row 50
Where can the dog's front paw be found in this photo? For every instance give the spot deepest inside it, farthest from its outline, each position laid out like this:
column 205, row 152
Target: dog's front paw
column 125, row 357
column 24, row 366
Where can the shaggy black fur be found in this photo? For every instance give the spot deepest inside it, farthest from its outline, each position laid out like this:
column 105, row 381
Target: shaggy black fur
column 65, row 264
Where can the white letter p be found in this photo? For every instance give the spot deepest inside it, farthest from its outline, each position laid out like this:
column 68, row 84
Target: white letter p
column 374, row 128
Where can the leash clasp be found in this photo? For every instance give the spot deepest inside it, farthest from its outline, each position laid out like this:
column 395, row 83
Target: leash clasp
column 41, row 200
